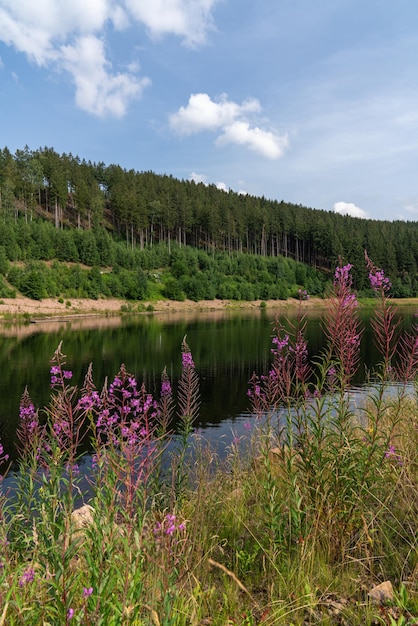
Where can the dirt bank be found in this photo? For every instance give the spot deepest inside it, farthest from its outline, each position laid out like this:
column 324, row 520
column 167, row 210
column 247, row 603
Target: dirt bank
column 52, row 308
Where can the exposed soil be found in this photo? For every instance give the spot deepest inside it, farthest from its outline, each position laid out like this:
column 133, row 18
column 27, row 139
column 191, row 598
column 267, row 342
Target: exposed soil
column 51, row 308
column 25, row 309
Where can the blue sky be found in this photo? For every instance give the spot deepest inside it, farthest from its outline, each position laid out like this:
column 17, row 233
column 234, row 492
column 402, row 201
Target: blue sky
column 314, row 103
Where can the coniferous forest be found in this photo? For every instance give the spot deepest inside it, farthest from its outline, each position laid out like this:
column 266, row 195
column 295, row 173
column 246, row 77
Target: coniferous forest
column 73, row 228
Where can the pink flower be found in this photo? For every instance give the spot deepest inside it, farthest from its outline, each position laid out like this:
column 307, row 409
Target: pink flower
column 27, row 577
column 187, row 359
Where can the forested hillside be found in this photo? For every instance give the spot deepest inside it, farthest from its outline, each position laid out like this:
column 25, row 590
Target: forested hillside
column 61, row 207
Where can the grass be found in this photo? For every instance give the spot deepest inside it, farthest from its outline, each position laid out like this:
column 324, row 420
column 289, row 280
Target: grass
column 235, row 546
column 295, row 524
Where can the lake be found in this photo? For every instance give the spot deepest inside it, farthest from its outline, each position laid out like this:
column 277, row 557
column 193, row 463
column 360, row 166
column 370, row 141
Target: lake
column 227, row 347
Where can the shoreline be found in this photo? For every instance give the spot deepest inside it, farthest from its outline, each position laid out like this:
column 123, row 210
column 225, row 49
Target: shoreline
column 24, row 310
column 27, row 310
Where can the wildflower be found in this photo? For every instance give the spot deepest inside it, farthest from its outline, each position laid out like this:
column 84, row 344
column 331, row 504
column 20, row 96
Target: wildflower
column 247, row 426
column 186, row 355
column 87, row 591
column 168, row 526
column 170, row 530
column 3, row 457
column 342, row 274
column 70, row 614
column 378, row 281
column 89, row 401
column 29, row 417
column 236, row 440
column 280, row 344
column 349, row 299
column 188, row 390
column 55, row 375
column 256, row 391
column 72, row 468
column 27, row 577
column 303, row 294
column 67, row 374
column 300, row 351
column 165, row 388
column 187, row 359
column 390, row 452
column 342, row 325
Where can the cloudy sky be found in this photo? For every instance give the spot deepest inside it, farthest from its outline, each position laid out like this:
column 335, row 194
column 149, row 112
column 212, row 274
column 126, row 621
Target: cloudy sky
column 314, row 103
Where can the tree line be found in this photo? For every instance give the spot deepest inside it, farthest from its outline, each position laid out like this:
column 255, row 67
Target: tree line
column 41, row 261
column 85, row 201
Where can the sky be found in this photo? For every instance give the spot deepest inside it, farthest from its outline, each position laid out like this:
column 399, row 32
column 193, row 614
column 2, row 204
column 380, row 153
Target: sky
column 314, row 103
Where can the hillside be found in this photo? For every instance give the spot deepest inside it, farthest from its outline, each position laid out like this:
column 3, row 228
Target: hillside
column 60, row 207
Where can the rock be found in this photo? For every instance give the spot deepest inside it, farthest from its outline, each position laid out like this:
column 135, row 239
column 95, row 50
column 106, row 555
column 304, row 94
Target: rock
column 382, row 593
column 82, row 517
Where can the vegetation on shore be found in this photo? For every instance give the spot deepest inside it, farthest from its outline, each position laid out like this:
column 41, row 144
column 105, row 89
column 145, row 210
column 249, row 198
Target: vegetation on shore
column 114, row 518
column 135, row 234
column 154, row 274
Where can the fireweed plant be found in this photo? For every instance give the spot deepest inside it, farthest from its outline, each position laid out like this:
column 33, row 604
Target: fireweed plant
column 49, row 549
column 115, row 517
column 327, row 460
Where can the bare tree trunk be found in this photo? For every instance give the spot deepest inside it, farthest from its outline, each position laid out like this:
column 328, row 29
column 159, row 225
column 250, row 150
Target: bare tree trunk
column 57, row 219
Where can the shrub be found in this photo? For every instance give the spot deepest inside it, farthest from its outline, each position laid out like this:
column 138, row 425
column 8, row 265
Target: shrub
column 172, row 290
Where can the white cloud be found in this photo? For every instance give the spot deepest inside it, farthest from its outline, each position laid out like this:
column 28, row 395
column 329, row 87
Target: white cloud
column 264, row 142
column 202, row 178
column 36, row 28
column 62, row 35
column 349, row 208
column 98, row 91
column 189, row 19
column 198, row 178
column 203, row 114
column 26, row 37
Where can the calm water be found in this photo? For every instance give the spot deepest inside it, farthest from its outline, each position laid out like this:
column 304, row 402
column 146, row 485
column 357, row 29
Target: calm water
column 227, row 348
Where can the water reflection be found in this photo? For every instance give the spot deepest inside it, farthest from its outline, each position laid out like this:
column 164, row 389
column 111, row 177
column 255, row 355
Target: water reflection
column 227, row 346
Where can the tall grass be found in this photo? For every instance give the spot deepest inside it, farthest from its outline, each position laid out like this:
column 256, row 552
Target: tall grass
column 114, row 518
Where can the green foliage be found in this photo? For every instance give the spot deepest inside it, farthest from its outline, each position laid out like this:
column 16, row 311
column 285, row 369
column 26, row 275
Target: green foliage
column 33, row 284
column 5, row 290
column 65, row 247
column 8, row 240
column 131, row 219
column 172, row 290
column 87, row 247
column 4, row 262
column 197, row 287
column 133, row 285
